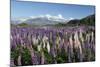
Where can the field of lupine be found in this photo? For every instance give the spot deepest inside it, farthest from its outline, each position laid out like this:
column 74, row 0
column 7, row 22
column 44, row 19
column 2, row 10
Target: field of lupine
column 51, row 45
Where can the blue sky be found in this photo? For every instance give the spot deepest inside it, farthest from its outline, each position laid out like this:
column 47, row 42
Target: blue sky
column 27, row 9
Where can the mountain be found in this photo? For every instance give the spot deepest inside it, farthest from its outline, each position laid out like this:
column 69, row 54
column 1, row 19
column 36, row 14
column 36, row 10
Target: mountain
column 54, row 21
column 41, row 21
column 88, row 20
column 73, row 22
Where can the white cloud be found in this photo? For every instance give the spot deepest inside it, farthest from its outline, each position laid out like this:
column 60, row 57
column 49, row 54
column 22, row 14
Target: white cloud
column 71, row 18
column 22, row 19
column 32, row 16
column 48, row 15
column 60, row 16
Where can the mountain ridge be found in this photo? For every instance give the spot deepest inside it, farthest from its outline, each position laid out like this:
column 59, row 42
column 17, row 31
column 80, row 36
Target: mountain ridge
column 43, row 20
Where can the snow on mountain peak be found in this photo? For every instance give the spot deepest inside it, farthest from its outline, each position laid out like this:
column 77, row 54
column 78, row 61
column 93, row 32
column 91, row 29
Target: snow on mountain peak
column 50, row 17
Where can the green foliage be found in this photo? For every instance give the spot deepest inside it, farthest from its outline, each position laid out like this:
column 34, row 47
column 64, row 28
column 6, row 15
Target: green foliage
column 26, row 57
column 15, row 53
column 23, row 24
column 61, row 56
column 48, row 57
column 89, row 55
column 35, row 47
column 60, row 24
column 90, row 20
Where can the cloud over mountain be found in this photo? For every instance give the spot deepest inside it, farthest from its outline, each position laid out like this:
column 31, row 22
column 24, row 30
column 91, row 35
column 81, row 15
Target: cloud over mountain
column 49, row 17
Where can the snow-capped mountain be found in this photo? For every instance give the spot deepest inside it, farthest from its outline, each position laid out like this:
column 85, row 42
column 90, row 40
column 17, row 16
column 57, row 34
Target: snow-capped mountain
column 41, row 20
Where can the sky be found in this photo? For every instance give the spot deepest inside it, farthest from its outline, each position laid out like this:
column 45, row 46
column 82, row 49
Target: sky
column 21, row 9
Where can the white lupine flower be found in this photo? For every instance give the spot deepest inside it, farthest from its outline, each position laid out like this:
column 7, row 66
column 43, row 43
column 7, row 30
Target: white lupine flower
column 11, row 37
column 76, row 36
column 58, row 40
column 19, row 60
column 62, row 40
column 34, row 40
column 81, row 36
column 39, row 47
column 77, row 42
column 42, row 58
column 88, row 37
column 80, row 49
column 92, row 34
column 45, row 38
column 44, row 44
column 71, row 41
column 48, row 47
